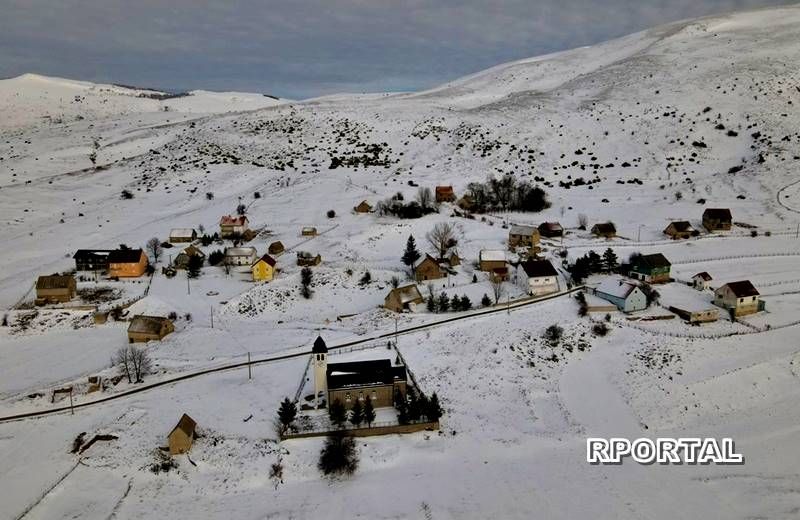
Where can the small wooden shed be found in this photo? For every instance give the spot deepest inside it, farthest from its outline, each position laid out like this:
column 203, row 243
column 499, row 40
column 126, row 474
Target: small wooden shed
column 276, row 248
column 181, row 437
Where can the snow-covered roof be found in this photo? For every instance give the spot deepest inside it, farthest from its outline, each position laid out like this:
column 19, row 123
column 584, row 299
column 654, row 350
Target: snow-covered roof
column 228, row 220
column 146, row 324
column 617, row 287
column 240, row 251
column 523, row 230
column 182, row 233
column 493, row 255
column 408, row 293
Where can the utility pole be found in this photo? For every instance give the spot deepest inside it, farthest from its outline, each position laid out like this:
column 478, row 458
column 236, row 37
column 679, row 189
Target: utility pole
column 249, row 367
column 188, row 289
column 639, row 234
column 71, row 408
column 212, row 316
column 395, row 332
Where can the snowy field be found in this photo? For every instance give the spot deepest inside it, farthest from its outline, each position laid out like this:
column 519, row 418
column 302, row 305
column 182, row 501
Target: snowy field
column 643, row 130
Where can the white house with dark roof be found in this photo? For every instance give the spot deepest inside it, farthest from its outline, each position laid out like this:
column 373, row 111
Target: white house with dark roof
column 625, row 295
column 537, row 277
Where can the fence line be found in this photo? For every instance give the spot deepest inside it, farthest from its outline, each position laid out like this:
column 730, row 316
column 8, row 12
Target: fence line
column 376, row 428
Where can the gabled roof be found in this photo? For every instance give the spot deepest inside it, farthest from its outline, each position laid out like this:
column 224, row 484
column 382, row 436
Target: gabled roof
column 240, row 251
column 266, row 259
column 55, row 282
column 186, row 424
column 552, row 226
column 90, row 254
column 604, row 227
column 228, row 220
column 742, row 288
column 616, row 287
column 523, row 230
column 538, row 268
column 407, row 294
column 424, row 259
column 703, row 276
column 363, row 373
column 681, row 225
column 492, row 255
column 125, row 256
column 147, row 324
column 654, row 260
column 193, row 251
column 182, row 232
column 717, row 213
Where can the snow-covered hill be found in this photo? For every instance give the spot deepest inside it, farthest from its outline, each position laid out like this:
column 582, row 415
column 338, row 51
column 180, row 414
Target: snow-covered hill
column 640, row 130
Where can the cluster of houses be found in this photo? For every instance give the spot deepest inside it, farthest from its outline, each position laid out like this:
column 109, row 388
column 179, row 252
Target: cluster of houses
column 738, row 298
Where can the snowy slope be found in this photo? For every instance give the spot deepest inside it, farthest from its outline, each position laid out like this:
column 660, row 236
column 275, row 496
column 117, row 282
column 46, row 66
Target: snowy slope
column 657, row 126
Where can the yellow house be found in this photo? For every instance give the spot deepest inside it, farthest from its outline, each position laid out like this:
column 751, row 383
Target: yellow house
column 263, row 269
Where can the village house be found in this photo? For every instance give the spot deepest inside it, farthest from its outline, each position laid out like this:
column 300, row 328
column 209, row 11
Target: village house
column 604, row 229
column 306, row 259
column 55, row 289
column 445, row 194
column 149, row 328
column 739, row 298
column 182, row 260
column 551, row 230
column 240, row 256
column 263, row 269
column 308, row 231
column 231, row 227
column 91, row 259
column 403, row 298
column 625, row 295
column 680, row 229
column 363, row 207
column 493, row 261
column 378, row 379
column 717, row 219
column 695, row 314
column 180, row 235
column 653, row 268
column 127, row 263
column 276, row 248
column 700, row 281
column 428, row 268
column 537, row 277
column 451, row 258
column 523, row 236
column 181, row 437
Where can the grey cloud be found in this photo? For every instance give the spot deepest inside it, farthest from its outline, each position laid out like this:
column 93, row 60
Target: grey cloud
column 309, row 47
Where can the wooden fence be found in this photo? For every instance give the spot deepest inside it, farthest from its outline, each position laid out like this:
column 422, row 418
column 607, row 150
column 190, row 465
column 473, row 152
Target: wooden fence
column 378, row 428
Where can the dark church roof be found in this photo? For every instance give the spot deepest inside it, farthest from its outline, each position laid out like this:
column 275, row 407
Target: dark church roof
column 538, row 268
column 125, row 256
column 319, row 346
column 364, row 373
column 742, row 289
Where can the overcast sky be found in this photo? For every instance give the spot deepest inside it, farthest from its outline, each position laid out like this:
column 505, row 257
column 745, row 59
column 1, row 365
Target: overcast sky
column 304, row 48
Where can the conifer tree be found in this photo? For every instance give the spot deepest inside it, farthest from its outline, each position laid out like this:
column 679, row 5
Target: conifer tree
column 369, row 412
column 287, row 412
column 434, row 410
column 357, row 413
column 610, row 260
column 337, row 413
column 411, row 254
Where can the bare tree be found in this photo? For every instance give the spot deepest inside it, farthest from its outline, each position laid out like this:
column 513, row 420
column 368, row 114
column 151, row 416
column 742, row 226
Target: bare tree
column 154, row 248
column 498, row 290
column 122, row 359
column 425, row 197
column 134, row 363
column 442, row 237
column 140, row 361
column 583, row 221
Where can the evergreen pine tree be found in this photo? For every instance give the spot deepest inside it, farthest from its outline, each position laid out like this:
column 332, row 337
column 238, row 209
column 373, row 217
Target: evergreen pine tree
column 357, row 413
column 194, row 266
column 434, row 410
column 595, row 262
column 337, row 413
column 401, row 404
column 466, row 304
column 369, row 412
column 411, row 254
column 610, row 260
column 486, row 301
column 414, row 411
column 287, row 413
column 430, row 304
column 443, row 302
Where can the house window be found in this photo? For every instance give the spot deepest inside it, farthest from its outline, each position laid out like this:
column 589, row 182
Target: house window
column 361, row 396
column 374, row 395
column 347, row 397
